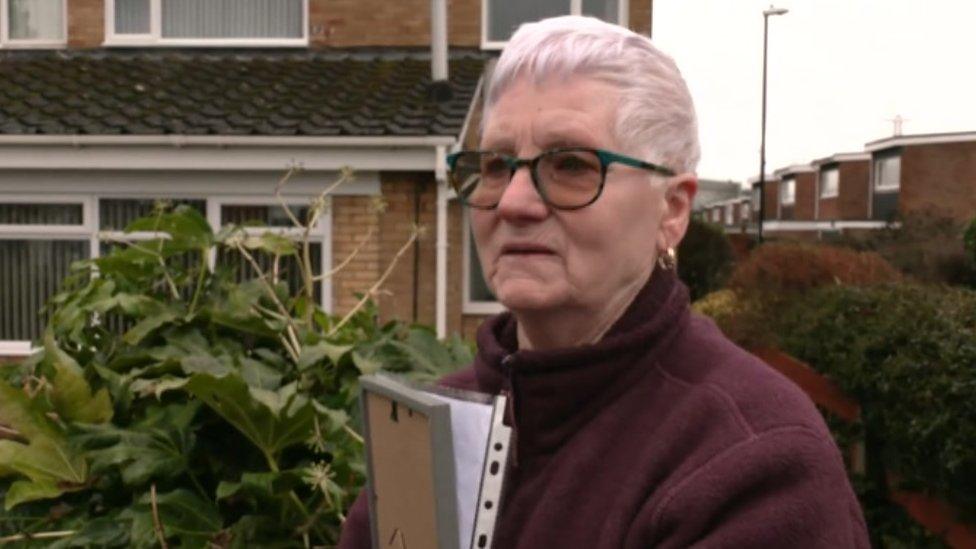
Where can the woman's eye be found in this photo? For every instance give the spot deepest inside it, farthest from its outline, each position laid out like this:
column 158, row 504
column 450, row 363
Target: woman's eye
column 494, row 167
column 570, row 163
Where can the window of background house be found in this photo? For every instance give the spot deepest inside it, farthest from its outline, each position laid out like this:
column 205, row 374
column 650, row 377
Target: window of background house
column 756, row 198
column 745, row 210
column 787, row 194
column 41, row 237
column 502, row 17
column 38, row 242
column 207, row 22
column 829, row 182
column 887, row 173
column 32, row 23
column 729, row 217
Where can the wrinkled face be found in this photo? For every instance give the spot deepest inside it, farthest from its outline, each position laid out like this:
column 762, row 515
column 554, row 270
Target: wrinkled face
column 538, row 258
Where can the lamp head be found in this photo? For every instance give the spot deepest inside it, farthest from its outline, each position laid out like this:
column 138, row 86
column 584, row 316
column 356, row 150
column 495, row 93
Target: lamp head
column 774, row 11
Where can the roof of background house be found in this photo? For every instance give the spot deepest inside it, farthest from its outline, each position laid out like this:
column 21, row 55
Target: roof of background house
column 919, row 139
column 276, row 93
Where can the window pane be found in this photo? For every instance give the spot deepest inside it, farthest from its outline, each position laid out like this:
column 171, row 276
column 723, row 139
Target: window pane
column 260, row 215
column 232, row 18
column 477, row 286
column 608, row 10
column 504, row 16
column 132, row 17
column 40, row 214
column 888, row 172
column 36, row 19
column 787, row 191
column 115, row 213
column 829, row 183
column 31, row 272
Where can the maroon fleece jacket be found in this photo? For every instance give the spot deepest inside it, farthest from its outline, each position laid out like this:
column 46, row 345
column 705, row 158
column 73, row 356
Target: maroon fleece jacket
column 662, row 434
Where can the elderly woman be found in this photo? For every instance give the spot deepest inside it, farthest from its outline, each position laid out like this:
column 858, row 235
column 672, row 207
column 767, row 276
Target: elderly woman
column 636, row 423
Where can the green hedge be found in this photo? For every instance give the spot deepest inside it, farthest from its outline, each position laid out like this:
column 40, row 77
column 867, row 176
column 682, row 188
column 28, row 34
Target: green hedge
column 908, row 354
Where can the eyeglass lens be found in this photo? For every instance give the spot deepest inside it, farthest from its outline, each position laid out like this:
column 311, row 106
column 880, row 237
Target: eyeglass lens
column 565, row 179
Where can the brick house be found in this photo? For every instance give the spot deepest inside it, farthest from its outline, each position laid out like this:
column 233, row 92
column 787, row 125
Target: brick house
column 842, row 187
column 109, row 105
column 772, row 191
column 923, row 174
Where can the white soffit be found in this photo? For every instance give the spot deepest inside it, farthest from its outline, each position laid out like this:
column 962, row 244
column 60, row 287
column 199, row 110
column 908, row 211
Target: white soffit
column 920, row 139
column 219, row 153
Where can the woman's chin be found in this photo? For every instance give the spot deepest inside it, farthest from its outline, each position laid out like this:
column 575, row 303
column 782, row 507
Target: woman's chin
column 528, row 296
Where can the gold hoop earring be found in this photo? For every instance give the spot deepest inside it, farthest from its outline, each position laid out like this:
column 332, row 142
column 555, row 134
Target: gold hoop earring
column 668, row 260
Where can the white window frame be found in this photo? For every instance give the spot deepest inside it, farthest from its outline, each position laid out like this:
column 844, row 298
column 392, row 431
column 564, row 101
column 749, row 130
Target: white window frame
column 745, row 210
column 729, row 214
column 470, row 306
column 89, row 231
column 575, row 8
column 820, row 182
column 876, row 174
column 787, row 199
column 40, row 43
column 155, row 35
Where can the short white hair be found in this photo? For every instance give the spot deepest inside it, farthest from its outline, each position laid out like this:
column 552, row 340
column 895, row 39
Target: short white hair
column 656, row 116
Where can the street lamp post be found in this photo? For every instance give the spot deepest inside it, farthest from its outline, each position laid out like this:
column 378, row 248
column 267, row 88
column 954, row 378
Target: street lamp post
column 762, row 142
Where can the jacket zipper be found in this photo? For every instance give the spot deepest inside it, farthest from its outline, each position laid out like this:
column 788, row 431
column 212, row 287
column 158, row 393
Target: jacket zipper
column 511, row 396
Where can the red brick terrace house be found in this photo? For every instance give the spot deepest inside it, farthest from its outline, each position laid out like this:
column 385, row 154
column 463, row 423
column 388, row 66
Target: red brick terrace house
column 108, row 105
column 842, row 187
column 923, row 174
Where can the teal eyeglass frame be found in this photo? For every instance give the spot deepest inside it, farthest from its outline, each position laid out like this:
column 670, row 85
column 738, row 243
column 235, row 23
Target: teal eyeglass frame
column 514, row 163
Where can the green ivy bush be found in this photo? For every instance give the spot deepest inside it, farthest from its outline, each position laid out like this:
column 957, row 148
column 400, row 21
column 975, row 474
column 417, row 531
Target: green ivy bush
column 704, row 258
column 908, row 354
column 175, row 405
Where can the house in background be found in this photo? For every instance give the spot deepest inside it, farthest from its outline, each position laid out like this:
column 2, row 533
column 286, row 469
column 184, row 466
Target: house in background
column 842, row 186
column 109, row 105
column 925, row 174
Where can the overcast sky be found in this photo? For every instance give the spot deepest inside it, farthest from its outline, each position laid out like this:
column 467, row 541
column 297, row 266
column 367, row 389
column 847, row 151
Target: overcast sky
column 839, row 70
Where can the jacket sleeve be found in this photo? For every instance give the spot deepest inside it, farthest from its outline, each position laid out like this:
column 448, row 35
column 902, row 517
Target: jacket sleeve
column 355, row 530
column 786, row 487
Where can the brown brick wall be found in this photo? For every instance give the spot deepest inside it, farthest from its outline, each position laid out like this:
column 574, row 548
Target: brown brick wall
column 351, row 23
column 852, row 193
column 352, row 219
column 396, row 225
column 939, row 179
column 86, row 23
column 806, row 196
column 772, row 200
column 828, row 209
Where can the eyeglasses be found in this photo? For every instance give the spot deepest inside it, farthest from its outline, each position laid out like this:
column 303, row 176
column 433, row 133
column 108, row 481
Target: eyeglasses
column 566, row 178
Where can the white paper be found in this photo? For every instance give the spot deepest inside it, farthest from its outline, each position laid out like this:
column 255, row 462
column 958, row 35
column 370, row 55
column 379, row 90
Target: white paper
column 470, row 428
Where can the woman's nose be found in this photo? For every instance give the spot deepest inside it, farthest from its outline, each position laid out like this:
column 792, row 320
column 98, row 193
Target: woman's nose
column 521, row 200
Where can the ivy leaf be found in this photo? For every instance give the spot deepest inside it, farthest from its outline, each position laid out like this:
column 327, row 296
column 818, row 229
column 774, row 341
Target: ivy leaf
column 367, row 365
column 257, row 374
column 110, row 531
column 184, row 516
column 313, row 353
column 288, row 421
column 149, row 324
column 272, row 243
column 187, row 229
column 71, row 394
column 23, row 414
column 22, row 491
column 157, row 386
column 260, row 486
column 50, row 466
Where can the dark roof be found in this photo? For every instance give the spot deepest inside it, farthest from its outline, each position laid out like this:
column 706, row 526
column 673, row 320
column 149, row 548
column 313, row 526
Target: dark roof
column 341, row 93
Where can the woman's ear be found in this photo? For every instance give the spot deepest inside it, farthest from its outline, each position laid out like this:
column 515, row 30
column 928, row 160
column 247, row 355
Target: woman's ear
column 679, row 194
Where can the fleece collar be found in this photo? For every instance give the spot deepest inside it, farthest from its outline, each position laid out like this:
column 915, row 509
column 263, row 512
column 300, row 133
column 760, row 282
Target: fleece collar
column 553, row 393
